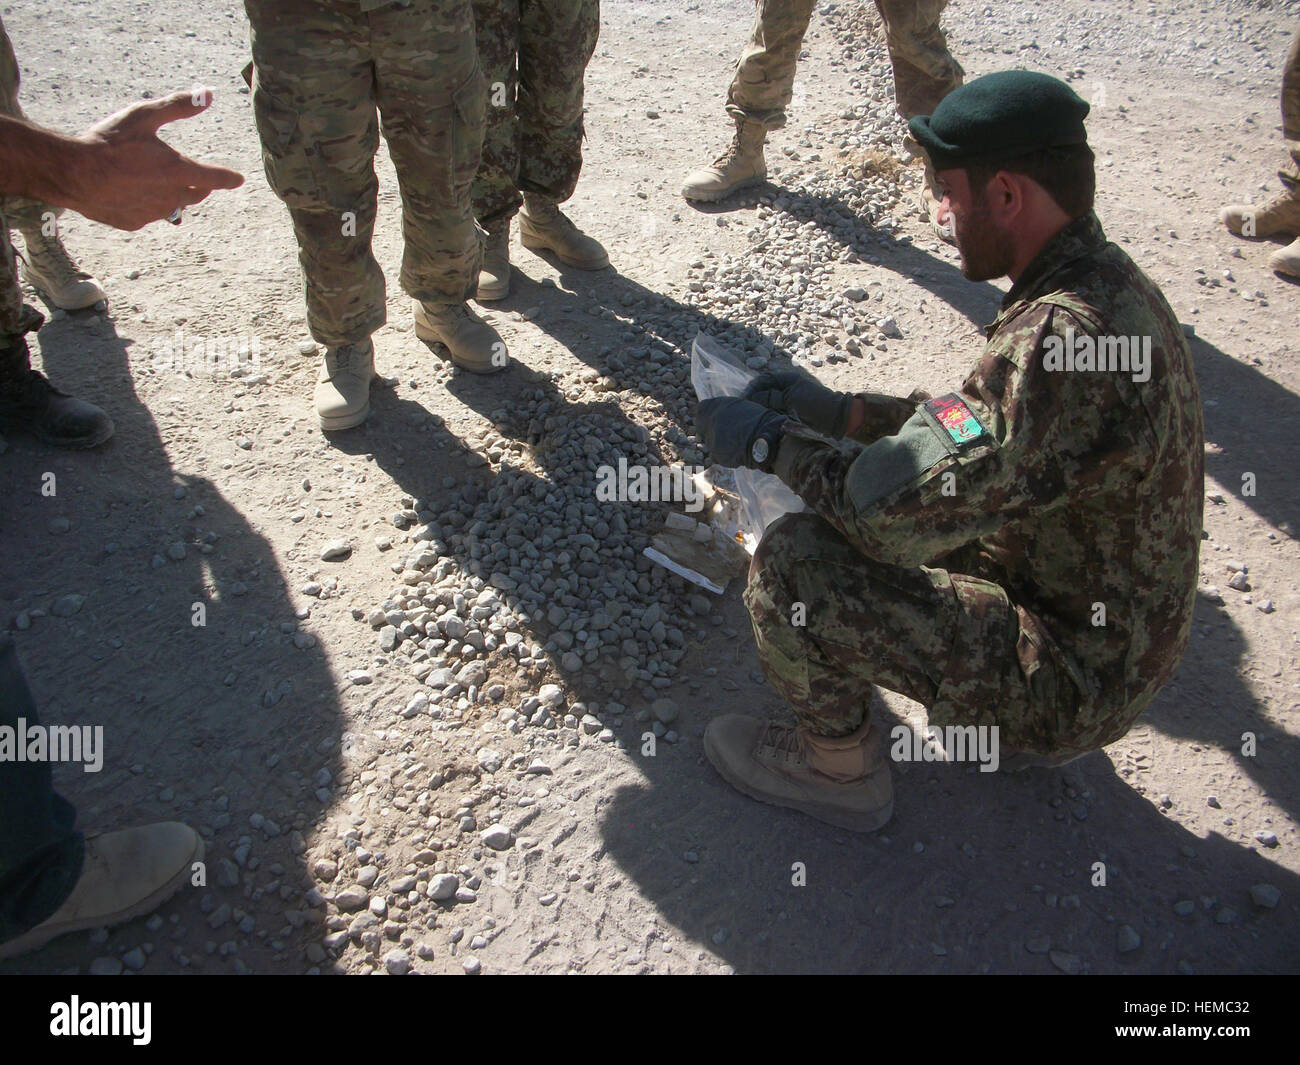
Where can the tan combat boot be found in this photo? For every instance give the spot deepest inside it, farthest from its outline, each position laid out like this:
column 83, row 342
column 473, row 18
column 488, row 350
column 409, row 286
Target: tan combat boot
column 1279, row 216
column 543, row 227
column 472, row 344
column 1286, row 261
column 843, row 781
column 930, row 205
column 49, row 269
column 494, row 276
column 343, row 387
column 126, row 874
column 740, row 166
column 929, row 197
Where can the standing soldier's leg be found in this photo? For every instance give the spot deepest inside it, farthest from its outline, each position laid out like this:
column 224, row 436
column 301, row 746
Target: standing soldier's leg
column 496, row 185
column 1287, row 261
column 314, row 102
column 1280, row 216
column 48, row 267
column 760, row 91
column 433, row 99
column 829, row 624
column 28, row 402
column 1291, row 111
column 924, row 73
column 924, row 70
column 556, row 41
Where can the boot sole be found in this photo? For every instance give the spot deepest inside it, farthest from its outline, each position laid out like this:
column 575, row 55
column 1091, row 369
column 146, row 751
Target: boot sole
column 866, row 821
column 535, row 245
column 440, row 349
column 722, row 194
column 45, row 295
column 344, row 421
column 488, row 293
column 72, row 445
column 39, row 936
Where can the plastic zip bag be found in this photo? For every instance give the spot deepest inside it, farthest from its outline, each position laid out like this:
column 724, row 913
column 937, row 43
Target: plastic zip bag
column 764, row 497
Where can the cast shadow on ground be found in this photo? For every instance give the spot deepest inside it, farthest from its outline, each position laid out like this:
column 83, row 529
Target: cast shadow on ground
column 232, row 704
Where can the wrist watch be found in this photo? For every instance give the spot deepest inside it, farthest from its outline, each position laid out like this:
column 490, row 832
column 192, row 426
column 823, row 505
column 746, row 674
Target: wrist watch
column 762, row 452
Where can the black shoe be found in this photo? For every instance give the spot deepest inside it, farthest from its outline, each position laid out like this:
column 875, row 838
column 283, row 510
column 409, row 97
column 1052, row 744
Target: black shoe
column 53, row 417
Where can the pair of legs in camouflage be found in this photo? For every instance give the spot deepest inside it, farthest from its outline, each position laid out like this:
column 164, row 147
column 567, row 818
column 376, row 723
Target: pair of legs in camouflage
column 924, row 71
column 829, row 623
column 534, row 55
column 325, row 72
column 1280, row 216
column 27, row 401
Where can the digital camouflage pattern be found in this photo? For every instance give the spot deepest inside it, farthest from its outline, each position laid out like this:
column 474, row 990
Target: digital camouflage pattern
column 322, row 68
column 533, row 141
column 977, row 587
column 924, row 71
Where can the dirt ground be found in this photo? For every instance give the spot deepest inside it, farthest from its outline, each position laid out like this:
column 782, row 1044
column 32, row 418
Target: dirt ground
column 328, row 813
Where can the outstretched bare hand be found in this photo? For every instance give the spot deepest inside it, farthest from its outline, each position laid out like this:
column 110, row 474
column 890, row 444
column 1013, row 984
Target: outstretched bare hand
column 132, row 178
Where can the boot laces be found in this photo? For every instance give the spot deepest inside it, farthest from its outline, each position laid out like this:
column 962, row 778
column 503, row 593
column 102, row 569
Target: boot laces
column 1288, row 196
column 51, row 259
column 782, row 741
column 732, row 151
column 343, row 360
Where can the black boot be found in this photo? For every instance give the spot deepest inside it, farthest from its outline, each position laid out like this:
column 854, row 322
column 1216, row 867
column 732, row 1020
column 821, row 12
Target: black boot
column 29, row 402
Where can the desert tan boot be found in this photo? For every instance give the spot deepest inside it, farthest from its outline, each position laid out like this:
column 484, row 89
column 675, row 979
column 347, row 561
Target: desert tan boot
column 1279, row 216
column 843, row 781
column 343, row 387
column 49, row 269
column 740, row 166
column 494, row 275
column 470, row 342
column 544, row 227
column 1287, row 260
column 126, row 874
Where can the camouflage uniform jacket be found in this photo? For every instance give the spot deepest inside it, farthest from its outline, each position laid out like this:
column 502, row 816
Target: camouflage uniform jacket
column 1077, row 490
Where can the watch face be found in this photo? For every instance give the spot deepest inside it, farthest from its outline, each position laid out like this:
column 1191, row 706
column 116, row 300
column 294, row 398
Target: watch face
column 759, row 451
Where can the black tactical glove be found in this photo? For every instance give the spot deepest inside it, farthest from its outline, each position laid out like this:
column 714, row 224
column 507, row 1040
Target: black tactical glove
column 792, row 392
column 730, row 427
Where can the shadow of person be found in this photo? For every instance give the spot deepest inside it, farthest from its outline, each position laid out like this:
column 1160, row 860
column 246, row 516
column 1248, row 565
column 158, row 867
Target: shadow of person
column 1027, row 872
column 1208, row 702
column 218, row 705
column 531, row 513
column 1252, row 424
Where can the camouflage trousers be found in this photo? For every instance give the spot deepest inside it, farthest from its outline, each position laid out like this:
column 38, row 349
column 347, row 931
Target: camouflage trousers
column 954, row 643
column 1291, row 112
column 534, row 54
column 924, row 71
column 16, row 319
column 323, row 70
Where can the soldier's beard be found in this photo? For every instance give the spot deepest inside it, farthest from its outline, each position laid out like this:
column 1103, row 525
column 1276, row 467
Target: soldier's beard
column 987, row 252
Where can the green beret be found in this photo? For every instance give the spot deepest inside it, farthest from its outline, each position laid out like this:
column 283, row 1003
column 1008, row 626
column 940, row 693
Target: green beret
column 1002, row 114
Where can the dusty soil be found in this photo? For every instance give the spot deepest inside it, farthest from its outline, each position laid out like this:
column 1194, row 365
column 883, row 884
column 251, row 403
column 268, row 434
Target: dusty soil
column 253, row 729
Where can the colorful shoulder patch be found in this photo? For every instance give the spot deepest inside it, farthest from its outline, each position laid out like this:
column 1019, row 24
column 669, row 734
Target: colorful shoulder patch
column 957, row 420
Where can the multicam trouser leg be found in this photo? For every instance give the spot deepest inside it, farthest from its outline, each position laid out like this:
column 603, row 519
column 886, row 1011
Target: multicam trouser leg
column 321, row 70
column 1290, row 174
column 924, row 71
column 952, row 642
column 763, row 84
column 534, row 55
